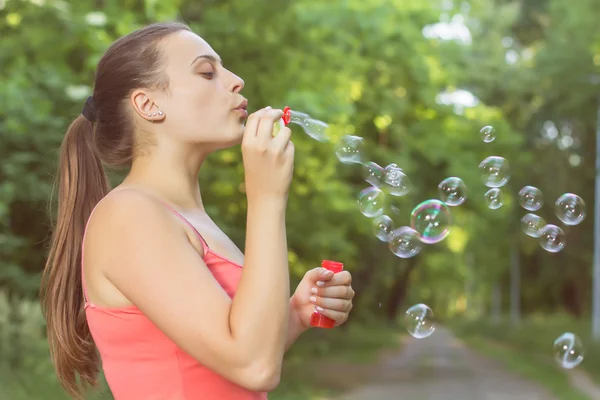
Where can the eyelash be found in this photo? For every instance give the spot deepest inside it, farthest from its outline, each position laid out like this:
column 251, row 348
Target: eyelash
column 208, row 74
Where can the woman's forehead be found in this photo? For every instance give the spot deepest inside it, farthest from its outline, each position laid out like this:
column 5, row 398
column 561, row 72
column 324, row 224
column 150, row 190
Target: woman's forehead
column 184, row 47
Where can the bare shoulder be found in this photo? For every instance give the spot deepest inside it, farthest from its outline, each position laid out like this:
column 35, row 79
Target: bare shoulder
column 133, row 233
column 130, row 210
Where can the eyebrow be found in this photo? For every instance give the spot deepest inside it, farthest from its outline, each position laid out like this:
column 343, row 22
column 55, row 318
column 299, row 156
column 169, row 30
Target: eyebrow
column 208, row 57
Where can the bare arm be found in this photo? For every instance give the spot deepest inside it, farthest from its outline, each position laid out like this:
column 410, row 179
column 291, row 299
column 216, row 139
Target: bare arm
column 295, row 328
column 147, row 255
column 260, row 310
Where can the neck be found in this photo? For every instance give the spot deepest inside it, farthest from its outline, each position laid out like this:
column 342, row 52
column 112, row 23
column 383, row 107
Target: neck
column 174, row 177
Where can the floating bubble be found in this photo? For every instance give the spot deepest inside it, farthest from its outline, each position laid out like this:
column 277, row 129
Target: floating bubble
column 532, row 225
column 531, row 198
column 371, row 202
column 494, row 171
column 552, row 238
column 349, row 149
column 453, row 191
column 419, row 322
column 568, row 350
column 570, row 209
column 488, row 134
column 373, row 173
column 383, row 227
column 404, row 242
column 432, row 220
column 396, row 181
column 316, row 129
column 494, row 199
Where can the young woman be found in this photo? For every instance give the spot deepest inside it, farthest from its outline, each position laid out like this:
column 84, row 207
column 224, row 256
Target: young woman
column 139, row 280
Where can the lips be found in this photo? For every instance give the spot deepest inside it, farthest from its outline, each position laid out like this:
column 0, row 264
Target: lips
column 243, row 105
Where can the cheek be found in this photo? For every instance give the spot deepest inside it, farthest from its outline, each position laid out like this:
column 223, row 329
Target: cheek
column 194, row 104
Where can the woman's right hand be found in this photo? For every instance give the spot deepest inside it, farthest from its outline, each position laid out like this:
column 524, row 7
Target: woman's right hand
column 268, row 160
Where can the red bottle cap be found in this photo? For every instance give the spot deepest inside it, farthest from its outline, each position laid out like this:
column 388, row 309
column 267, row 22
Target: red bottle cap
column 334, row 266
column 287, row 115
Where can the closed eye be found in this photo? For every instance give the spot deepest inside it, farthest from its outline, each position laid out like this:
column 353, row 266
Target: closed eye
column 208, row 75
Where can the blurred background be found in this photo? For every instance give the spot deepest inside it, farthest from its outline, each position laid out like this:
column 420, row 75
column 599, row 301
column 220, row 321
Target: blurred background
column 417, row 80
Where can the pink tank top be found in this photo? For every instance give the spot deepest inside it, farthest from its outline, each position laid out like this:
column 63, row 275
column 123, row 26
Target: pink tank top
column 141, row 363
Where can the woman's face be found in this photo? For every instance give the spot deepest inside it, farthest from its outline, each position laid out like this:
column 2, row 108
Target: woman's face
column 202, row 104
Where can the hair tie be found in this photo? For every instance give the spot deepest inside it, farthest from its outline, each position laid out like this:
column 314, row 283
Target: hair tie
column 89, row 111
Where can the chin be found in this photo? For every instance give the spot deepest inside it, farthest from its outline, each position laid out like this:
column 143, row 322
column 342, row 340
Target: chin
column 233, row 140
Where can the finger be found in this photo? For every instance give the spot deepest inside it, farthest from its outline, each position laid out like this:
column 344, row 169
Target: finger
column 338, row 316
column 282, row 140
column 253, row 121
column 318, row 274
column 341, row 278
column 325, row 277
column 332, row 304
column 266, row 124
column 334, row 292
column 289, row 151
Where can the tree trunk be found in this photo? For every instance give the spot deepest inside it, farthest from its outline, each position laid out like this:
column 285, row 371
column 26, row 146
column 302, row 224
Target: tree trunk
column 571, row 298
column 496, row 303
column 399, row 290
column 515, row 285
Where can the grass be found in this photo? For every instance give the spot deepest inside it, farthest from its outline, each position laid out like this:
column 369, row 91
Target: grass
column 527, row 348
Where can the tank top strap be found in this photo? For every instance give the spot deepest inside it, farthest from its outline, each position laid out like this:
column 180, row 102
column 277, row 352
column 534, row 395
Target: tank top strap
column 205, row 247
column 185, row 221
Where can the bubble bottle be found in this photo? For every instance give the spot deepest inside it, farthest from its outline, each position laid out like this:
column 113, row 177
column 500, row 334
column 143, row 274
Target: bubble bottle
column 312, row 127
column 316, row 319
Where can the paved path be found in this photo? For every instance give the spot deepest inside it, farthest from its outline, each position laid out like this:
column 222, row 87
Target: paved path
column 443, row 368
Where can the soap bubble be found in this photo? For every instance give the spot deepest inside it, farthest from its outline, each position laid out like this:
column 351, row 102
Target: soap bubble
column 531, row 198
column 383, row 227
column 494, row 171
column 568, row 350
column 371, row 202
column 314, row 128
column 419, row 322
column 453, row 191
column 373, row 173
column 570, row 209
column 488, row 134
column 349, row 149
column 397, row 183
column 532, row 225
column 552, row 238
column 432, row 220
column 494, row 198
column 404, row 242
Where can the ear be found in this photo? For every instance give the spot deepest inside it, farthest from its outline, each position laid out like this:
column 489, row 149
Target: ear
column 145, row 107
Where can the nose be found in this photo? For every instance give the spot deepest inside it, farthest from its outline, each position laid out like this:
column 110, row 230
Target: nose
column 237, row 83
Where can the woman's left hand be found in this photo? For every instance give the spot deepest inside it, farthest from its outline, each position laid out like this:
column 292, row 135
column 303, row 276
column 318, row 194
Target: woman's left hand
column 331, row 293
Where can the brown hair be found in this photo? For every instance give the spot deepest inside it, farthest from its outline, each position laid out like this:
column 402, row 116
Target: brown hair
column 133, row 61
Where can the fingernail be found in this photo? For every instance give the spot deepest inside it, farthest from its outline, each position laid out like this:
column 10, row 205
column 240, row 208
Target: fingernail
column 319, row 308
column 313, row 299
column 325, row 272
column 314, row 290
column 320, row 283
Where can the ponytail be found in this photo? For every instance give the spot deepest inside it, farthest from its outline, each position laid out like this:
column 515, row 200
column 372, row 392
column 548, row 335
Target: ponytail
column 82, row 183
